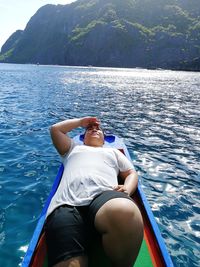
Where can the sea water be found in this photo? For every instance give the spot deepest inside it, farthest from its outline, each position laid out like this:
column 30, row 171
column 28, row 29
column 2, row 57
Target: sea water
column 157, row 113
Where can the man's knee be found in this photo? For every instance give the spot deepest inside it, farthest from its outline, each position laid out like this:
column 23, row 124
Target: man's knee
column 118, row 213
column 120, row 223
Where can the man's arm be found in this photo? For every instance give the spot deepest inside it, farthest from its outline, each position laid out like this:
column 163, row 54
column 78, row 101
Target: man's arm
column 61, row 140
column 130, row 179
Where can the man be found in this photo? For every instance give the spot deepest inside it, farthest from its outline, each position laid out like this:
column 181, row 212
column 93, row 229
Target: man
column 89, row 199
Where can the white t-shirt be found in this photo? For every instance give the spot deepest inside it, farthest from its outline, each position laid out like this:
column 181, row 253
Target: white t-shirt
column 88, row 171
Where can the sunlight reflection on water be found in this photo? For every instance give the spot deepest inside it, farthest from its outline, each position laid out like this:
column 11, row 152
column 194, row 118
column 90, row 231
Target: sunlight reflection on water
column 156, row 112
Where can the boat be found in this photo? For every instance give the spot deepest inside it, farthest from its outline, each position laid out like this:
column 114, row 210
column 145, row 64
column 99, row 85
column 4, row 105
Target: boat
column 153, row 252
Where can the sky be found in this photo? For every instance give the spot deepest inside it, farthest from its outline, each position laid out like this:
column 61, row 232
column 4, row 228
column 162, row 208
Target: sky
column 15, row 14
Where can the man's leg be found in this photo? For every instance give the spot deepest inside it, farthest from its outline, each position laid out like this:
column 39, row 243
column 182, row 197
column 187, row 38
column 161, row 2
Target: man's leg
column 81, row 261
column 120, row 223
column 67, row 238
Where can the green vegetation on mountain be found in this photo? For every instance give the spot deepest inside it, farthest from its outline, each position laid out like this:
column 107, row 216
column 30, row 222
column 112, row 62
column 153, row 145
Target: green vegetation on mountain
column 128, row 33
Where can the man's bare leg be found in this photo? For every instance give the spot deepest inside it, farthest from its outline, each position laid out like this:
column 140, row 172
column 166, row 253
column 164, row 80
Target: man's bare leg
column 81, row 261
column 120, row 223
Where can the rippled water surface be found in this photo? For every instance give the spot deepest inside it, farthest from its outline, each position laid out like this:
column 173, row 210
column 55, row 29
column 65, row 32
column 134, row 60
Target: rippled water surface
column 156, row 112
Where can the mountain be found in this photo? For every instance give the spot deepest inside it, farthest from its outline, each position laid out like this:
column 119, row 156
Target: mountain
column 128, row 33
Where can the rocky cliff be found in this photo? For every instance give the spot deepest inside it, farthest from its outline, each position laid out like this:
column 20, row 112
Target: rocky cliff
column 128, row 33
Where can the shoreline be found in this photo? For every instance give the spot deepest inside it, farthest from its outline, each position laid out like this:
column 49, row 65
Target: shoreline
column 111, row 67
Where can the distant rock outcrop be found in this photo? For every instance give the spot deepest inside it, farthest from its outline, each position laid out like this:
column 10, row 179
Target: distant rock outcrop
column 12, row 41
column 116, row 33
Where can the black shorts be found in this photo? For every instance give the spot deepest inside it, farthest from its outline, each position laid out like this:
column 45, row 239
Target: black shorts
column 70, row 230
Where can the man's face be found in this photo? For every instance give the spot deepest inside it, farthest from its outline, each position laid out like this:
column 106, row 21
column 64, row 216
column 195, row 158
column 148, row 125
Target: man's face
column 94, row 135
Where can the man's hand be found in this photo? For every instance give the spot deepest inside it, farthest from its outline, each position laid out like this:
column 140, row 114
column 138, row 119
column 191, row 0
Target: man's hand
column 130, row 179
column 84, row 122
column 121, row 188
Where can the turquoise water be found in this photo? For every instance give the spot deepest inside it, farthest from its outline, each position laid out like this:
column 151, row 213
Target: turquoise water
column 156, row 112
